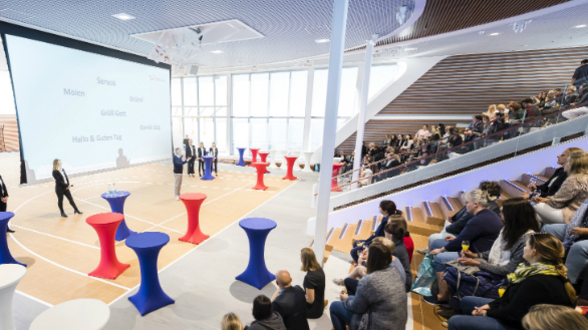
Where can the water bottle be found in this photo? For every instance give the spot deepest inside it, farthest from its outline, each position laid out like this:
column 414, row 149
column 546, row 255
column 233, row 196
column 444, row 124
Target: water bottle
column 109, row 189
column 114, row 188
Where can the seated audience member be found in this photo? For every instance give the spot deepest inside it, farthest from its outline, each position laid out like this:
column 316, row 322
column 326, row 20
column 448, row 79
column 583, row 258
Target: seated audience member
column 515, row 113
column 574, row 236
column 392, row 160
column 386, row 208
column 386, row 142
column 552, row 185
column 506, row 253
column 399, row 141
column 558, row 96
column 231, row 322
column 265, row 317
column 476, row 129
column 481, row 231
column 583, row 295
column 540, row 279
column 395, row 230
column 408, row 142
column 290, row 302
column 550, row 104
column 314, row 284
column 554, row 317
column 530, row 109
column 423, row 133
column 365, row 176
column 570, row 97
column 380, row 296
column 501, row 108
column 583, row 94
column 560, row 208
column 456, row 223
column 351, row 281
column 454, row 139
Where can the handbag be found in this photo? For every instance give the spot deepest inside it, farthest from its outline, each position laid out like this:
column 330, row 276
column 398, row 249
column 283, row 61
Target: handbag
column 425, row 278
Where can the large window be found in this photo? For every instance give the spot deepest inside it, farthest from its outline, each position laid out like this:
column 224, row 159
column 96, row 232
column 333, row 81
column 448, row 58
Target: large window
column 266, row 110
column 199, row 110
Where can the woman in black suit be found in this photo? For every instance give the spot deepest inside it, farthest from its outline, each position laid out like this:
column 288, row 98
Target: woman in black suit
column 214, row 153
column 191, row 156
column 62, row 188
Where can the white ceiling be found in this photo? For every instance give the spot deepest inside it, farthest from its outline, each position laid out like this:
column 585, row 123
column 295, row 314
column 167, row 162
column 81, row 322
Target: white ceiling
column 290, row 28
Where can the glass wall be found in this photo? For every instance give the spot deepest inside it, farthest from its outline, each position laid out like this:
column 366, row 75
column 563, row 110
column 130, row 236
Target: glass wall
column 266, row 109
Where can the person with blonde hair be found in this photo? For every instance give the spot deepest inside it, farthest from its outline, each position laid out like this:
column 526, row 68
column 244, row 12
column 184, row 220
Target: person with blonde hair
column 62, row 186
column 560, row 208
column 540, row 279
column 552, row 185
column 231, row 322
column 481, row 231
column 314, row 284
column 554, row 317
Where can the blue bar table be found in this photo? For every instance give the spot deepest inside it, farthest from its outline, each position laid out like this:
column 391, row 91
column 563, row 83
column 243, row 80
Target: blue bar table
column 241, row 161
column 256, row 273
column 207, row 168
column 150, row 296
column 5, row 255
column 117, row 205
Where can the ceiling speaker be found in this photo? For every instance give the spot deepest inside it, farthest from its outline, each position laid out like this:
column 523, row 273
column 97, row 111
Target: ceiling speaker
column 191, row 69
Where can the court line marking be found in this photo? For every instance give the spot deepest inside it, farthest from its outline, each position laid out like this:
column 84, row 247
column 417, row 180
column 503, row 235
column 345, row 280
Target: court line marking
column 63, row 267
column 213, row 200
column 57, row 237
column 35, row 299
column 207, row 240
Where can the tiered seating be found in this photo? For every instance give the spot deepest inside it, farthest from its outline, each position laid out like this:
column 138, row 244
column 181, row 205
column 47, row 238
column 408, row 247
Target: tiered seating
column 424, row 220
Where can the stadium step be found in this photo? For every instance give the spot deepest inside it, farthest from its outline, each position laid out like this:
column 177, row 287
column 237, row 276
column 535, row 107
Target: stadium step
column 363, row 230
column 433, row 213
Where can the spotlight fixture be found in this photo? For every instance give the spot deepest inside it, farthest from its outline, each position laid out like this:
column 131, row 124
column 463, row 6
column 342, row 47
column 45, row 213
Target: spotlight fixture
column 216, row 51
column 494, row 34
column 580, row 26
column 123, row 16
column 321, row 41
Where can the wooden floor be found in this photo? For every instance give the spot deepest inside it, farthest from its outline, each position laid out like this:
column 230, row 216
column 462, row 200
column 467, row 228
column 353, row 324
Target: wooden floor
column 60, row 252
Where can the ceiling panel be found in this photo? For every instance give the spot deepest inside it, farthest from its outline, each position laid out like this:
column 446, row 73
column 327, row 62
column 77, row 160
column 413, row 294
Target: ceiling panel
column 290, row 28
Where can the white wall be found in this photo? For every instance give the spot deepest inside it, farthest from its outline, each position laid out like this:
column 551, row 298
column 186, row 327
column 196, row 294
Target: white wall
column 409, row 71
column 6, row 96
column 511, row 169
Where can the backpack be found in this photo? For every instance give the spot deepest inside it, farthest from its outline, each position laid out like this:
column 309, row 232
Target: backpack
column 480, row 284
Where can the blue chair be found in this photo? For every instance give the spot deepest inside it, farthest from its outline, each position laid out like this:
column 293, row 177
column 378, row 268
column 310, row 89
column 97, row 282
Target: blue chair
column 150, row 296
column 256, row 273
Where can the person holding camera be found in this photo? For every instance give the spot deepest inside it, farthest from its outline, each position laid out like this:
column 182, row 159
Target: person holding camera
column 265, row 317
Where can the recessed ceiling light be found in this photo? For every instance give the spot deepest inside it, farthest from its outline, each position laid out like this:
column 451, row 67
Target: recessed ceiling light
column 410, row 49
column 216, row 51
column 123, row 16
column 321, row 41
column 494, row 34
column 580, row 26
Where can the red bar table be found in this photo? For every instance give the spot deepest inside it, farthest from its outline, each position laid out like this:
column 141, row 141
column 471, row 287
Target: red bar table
column 253, row 156
column 334, row 184
column 106, row 225
column 193, row 201
column 291, row 160
column 260, row 172
column 263, row 156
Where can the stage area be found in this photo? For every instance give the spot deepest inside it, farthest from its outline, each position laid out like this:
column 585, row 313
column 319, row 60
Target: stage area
column 60, row 252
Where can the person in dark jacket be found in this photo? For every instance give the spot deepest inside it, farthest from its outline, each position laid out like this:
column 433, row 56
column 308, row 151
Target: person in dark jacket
column 540, row 279
column 265, row 317
column 481, row 231
column 214, row 153
column 314, row 284
column 395, row 231
column 456, row 223
column 179, row 162
column 290, row 302
column 387, row 208
column 552, row 185
column 62, row 188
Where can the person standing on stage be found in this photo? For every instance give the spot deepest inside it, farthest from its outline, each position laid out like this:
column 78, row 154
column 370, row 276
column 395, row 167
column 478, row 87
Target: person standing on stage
column 191, row 157
column 4, row 200
column 201, row 153
column 214, row 153
column 62, row 188
column 179, row 162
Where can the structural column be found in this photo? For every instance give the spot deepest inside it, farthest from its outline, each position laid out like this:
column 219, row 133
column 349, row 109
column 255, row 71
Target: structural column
column 308, row 112
column 330, row 126
column 363, row 98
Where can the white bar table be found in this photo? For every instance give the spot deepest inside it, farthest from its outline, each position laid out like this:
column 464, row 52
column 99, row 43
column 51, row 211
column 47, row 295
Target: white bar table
column 78, row 314
column 10, row 275
column 272, row 165
column 307, row 155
